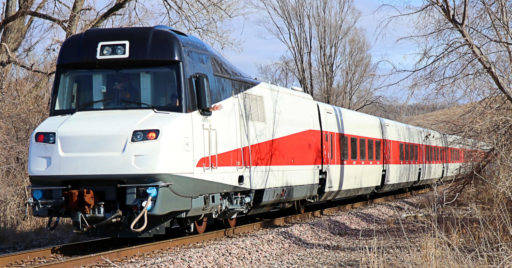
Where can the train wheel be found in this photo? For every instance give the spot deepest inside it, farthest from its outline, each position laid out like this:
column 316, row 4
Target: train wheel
column 230, row 223
column 200, row 225
column 300, row 207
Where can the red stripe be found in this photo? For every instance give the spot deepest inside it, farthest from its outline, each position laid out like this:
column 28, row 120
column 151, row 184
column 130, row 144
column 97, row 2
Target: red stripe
column 304, row 149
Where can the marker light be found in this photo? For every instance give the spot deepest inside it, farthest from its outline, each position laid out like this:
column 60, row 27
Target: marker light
column 45, row 137
column 145, row 135
column 152, row 191
column 37, row 194
column 151, row 135
column 40, row 137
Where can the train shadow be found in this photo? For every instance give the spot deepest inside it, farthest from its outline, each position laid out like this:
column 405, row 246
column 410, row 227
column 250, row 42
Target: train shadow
column 376, row 228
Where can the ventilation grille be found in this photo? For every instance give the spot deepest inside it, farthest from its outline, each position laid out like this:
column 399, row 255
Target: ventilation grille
column 255, row 107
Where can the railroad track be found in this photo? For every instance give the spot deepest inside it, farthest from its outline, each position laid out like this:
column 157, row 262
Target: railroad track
column 110, row 249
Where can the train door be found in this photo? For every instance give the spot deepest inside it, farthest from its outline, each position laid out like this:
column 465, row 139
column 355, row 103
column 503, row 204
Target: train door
column 386, row 153
column 422, row 155
column 330, row 148
column 444, row 155
column 244, row 160
column 210, row 146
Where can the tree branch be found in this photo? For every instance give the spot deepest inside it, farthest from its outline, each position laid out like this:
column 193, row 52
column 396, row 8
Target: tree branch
column 120, row 4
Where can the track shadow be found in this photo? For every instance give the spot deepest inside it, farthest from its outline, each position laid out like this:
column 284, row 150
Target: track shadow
column 13, row 239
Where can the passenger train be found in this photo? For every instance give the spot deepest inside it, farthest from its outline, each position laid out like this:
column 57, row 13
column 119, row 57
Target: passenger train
column 150, row 127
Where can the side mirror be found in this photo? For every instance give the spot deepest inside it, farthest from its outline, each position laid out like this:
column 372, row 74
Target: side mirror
column 202, row 87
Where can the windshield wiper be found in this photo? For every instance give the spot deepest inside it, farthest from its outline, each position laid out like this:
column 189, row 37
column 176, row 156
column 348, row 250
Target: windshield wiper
column 92, row 102
column 139, row 103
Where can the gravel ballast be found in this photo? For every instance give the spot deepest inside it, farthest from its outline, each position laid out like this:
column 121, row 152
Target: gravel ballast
column 375, row 235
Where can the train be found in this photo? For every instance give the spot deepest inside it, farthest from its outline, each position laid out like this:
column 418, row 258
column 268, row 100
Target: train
column 150, row 128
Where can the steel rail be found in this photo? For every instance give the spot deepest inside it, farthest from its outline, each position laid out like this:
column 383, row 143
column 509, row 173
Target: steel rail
column 45, row 257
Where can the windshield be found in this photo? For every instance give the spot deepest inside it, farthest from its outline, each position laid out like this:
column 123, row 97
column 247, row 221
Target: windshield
column 102, row 89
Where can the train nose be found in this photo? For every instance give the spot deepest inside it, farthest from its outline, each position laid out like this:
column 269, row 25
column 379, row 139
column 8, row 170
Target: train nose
column 105, row 132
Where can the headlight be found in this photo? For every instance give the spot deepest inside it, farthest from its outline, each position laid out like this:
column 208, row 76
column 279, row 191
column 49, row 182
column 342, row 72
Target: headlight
column 106, row 51
column 119, row 50
column 113, row 50
column 145, row 135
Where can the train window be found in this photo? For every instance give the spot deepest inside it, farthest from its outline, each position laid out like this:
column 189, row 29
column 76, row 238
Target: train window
column 377, row 150
column 401, row 151
column 353, row 148
column 415, row 152
column 407, row 152
column 128, row 88
column 223, row 88
column 344, row 147
column 437, row 154
column 362, row 149
column 370, row 149
column 427, row 153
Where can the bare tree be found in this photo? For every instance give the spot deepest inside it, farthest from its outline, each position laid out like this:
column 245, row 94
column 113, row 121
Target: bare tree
column 280, row 73
column 330, row 54
column 333, row 22
column 291, row 23
column 23, row 22
column 20, row 17
column 464, row 43
column 355, row 84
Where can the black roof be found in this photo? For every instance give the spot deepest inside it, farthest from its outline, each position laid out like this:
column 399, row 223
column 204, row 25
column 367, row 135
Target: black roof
column 158, row 43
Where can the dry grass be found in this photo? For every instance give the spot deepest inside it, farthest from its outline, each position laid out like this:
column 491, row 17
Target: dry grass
column 24, row 104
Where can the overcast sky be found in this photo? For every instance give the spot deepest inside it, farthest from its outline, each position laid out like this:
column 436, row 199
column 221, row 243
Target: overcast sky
column 258, row 47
